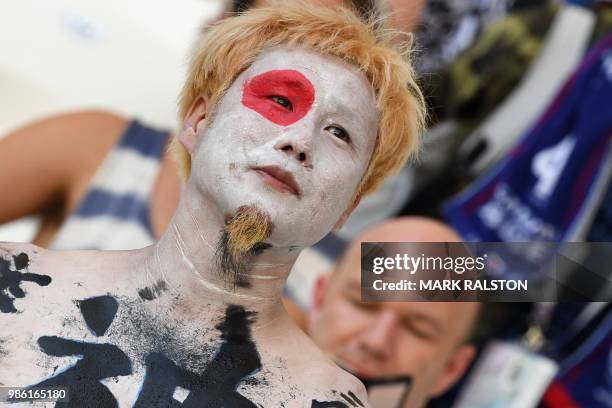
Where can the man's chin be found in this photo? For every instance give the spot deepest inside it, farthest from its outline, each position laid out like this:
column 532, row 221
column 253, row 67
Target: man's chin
column 243, row 236
column 357, row 370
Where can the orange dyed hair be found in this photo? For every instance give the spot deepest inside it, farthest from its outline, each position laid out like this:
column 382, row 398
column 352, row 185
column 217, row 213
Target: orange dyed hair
column 229, row 47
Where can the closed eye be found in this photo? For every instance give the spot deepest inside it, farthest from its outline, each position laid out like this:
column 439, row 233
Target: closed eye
column 339, row 132
column 282, row 101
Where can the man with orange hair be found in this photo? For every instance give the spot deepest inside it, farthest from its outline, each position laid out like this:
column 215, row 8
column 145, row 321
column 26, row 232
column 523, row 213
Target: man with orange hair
column 98, row 180
column 284, row 127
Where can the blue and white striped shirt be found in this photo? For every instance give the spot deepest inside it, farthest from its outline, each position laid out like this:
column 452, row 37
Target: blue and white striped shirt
column 115, row 211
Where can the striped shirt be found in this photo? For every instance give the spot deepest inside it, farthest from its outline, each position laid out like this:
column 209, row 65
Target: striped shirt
column 115, row 211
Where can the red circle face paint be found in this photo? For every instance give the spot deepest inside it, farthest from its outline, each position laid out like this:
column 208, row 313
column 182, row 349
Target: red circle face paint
column 268, row 93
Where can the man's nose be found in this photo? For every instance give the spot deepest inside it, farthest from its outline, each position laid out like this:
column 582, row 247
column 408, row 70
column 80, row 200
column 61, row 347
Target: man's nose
column 377, row 340
column 297, row 143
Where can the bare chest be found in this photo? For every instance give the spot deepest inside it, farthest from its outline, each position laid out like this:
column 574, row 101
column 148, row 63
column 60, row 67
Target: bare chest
column 109, row 350
column 110, row 346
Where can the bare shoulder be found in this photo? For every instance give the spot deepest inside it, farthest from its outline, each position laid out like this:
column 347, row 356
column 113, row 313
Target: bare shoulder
column 342, row 388
column 321, row 381
column 31, row 276
column 77, row 120
column 24, row 290
column 44, row 297
column 356, row 392
column 24, row 268
column 80, row 128
column 86, row 127
column 82, row 139
column 19, row 256
column 44, row 165
column 29, row 258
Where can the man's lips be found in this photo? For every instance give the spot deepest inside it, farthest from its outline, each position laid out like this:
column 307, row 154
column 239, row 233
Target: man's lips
column 279, row 179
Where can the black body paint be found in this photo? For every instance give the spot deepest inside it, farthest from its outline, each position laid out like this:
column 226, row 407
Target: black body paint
column 217, row 386
column 405, row 380
column 355, row 398
column 3, row 352
column 21, row 261
column 233, row 268
column 328, row 404
column 236, row 268
column 242, row 280
column 99, row 313
column 152, row 292
column 11, row 279
column 351, row 398
column 99, row 361
column 259, row 247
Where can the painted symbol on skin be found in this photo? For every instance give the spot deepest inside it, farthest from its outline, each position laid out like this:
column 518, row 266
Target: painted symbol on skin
column 328, row 404
column 11, row 280
column 98, row 361
column 281, row 96
column 152, row 292
column 351, row 398
column 3, row 351
column 236, row 359
column 217, row 386
column 99, row 313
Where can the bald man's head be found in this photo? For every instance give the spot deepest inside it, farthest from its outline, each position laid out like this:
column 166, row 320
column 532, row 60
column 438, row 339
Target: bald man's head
column 409, row 229
column 427, row 341
column 403, row 229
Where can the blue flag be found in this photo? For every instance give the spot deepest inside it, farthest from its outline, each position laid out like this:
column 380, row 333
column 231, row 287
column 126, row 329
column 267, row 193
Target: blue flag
column 548, row 187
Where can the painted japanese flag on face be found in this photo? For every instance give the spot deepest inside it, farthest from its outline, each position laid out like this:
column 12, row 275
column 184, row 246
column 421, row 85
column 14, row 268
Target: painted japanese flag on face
column 281, row 96
column 549, row 185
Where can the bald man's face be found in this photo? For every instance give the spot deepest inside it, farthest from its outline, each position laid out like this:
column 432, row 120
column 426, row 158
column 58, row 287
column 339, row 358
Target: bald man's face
column 423, row 340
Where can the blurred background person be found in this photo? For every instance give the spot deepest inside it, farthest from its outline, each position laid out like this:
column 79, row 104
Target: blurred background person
column 425, row 347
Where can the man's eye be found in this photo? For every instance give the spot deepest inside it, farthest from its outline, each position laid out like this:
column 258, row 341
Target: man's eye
column 339, row 132
column 366, row 306
column 282, row 101
column 417, row 331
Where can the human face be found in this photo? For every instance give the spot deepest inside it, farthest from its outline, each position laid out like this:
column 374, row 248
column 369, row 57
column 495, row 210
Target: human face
column 293, row 136
column 421, row 340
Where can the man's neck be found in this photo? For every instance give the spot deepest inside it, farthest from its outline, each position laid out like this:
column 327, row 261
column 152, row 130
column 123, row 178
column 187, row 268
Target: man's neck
column 186, row 260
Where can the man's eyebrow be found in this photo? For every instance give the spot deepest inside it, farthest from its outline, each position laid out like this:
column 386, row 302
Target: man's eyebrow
column 354, row 286
column 343, row 110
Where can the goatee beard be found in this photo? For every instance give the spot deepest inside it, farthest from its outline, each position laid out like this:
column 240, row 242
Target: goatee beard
column 241, row 239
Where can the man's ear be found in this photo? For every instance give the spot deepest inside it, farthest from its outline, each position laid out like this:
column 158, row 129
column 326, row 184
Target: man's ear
column 196, row 114
column 318, row 298
column 347, row 213
column 318, row 293
column 455, row 367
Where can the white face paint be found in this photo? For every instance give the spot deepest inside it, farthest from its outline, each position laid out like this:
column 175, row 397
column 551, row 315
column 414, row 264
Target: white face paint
column 284, row 115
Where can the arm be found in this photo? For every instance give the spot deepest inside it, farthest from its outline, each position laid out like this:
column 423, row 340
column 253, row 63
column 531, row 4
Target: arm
column 49, row 163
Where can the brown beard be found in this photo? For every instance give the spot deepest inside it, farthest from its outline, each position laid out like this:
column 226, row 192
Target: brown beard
column 242, row 238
